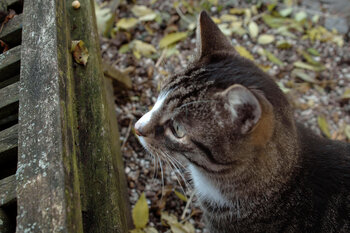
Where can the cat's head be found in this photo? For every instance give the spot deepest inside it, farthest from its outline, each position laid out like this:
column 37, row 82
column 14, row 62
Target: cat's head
column 218, row 112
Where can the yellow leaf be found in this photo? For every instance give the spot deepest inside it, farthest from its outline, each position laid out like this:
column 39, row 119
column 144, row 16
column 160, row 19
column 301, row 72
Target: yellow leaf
column 140, row 11
column 302, row 75
column 253, row 29
column 244, row 52
column 143, row 48
column 180, row 195
column 150, row 230
column 80, row 52
column 140, row 213
column 168, row 219
column 188, row 227
column 172, row 38
column 127, row 23
column 273, row 58
column 346, row 94
column 237, row 11
column 104, row 19
column 265, row 39
column 303, row 65
column 228, row 18
column 322, row 123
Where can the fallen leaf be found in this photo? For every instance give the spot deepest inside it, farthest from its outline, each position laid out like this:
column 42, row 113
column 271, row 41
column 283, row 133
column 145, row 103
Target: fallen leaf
column 80, row 52
column 300, row 16
column 313, row 52
column 150, row 230
column 172, row 38
column 284, row 45
column 105, row 20
column 140, row 212
column 253, row 29
column 265, row 39
column 310, row 59
column 303, row 65
column 322, row 123
column 286, row 11
column 180, row 195
column 273, row 58
column 237, row 11
column 244, row 52
column 127, row 23
column 346, row 94
column 143, row 13
column 168, row 219
column 228, row 18
column 143, row 48
column 303, row 76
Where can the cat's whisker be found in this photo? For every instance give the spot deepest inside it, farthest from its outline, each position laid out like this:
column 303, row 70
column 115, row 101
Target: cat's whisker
column 178, row 171
column 174, row 169
column 161, row 169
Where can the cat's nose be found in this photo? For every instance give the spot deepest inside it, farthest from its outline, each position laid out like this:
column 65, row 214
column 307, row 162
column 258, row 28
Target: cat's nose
column 138, row 129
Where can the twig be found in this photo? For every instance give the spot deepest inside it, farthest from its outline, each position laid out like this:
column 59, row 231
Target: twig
column 161, row 58
column 126, row 136
column 178, row 10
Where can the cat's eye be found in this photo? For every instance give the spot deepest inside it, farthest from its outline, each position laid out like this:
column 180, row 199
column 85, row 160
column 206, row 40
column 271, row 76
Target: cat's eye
column 178, row 129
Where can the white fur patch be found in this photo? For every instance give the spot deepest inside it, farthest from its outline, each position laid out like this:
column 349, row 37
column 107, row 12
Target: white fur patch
column 145, row 119
column 205, row 189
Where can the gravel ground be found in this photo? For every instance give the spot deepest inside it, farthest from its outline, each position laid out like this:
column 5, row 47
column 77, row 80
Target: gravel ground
column 311, row 100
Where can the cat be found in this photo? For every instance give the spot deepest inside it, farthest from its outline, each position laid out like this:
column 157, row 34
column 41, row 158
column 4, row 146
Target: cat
column 254, row 168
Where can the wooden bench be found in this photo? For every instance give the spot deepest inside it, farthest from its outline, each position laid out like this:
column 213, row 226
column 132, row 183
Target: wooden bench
column 60, row 162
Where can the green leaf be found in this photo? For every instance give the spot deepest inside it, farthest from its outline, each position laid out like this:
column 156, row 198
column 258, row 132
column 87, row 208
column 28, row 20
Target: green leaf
column 310, row 59
column 300, row 16
column 313, row 52
column 127, row 23
column 265, row 39
column 143, row 13
column 124, row 48
column 244, row 52
column 180, row 195
column 284, row 45
column 286, row 12
column 253, row 29
column 273, row 58
column 140, row 213
column 304, row 76
column 143, row 48
column 172, row 38
column 322, row 123
column 303, row 65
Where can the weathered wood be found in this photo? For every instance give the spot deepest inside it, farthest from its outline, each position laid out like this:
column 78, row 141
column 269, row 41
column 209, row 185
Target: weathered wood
column 9, row 95
column 11, row 34
column 103, row 181
column 8, row 139
column 9, row 63
column 7, row 190
column 48, row 198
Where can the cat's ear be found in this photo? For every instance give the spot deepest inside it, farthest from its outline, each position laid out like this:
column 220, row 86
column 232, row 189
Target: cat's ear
column 209, row 37
column 243, row 106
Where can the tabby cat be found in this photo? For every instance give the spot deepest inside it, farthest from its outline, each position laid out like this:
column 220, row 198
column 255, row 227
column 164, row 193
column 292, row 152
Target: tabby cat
column 254, row 168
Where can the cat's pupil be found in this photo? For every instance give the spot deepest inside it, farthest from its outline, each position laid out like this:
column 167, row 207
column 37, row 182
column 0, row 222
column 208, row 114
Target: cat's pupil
column 178, row 131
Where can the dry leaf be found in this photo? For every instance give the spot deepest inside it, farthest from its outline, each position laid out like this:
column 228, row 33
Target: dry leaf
column 127, row 23
column 303, row 65
column 302, row 75
column 140, row 212
column 150, row 230
column 180, row 195
column 244, row 52
column 172, row 38
column 322, row 123
column 80, row 52
column 266, row 39
column 273, row 58
column 104, row 19
column 253, row 29
column 143, row 48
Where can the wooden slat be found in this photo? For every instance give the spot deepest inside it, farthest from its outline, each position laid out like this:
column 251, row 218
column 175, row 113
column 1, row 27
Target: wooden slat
column 9, row 95
column 11, row 33
column 7, row 190
column 10, row 63
column 8, row 139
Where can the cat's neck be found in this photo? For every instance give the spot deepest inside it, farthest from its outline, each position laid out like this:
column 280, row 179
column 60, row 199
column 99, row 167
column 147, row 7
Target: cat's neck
column 260, row 182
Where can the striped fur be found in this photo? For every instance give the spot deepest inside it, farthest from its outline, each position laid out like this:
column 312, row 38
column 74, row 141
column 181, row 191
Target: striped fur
column 254, row 168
